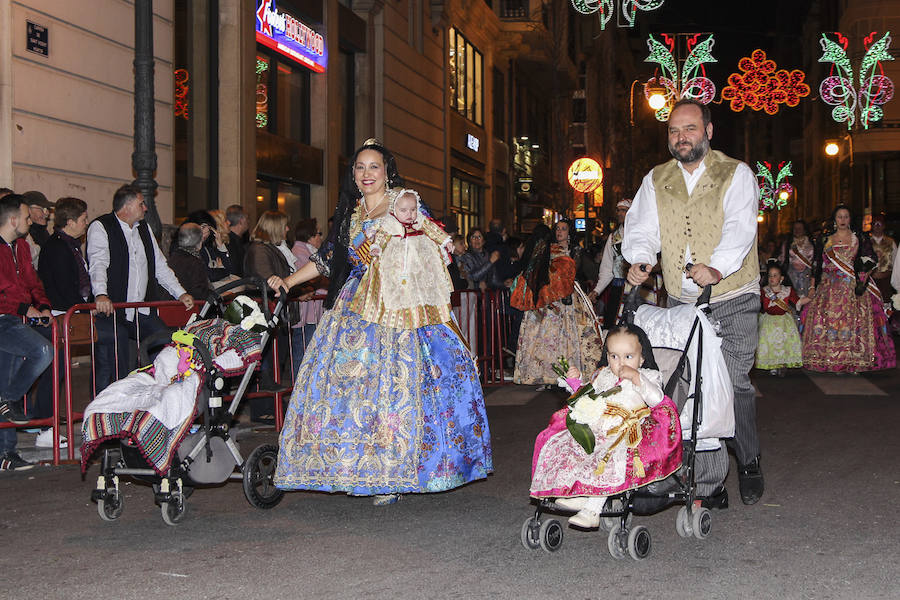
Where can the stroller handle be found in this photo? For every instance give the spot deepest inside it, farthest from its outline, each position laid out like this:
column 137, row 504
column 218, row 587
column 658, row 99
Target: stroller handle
column 215, row 296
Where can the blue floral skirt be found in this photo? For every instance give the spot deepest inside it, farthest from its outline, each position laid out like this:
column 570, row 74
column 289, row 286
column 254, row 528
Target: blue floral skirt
column 377, row 410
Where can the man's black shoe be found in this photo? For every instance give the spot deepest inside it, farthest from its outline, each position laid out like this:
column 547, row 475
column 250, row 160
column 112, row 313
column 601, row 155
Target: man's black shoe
column 10, row 413
column 750, row 479
column 718, row 499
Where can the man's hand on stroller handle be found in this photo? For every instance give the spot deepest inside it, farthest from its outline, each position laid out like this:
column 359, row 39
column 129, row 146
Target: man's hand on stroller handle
column 702, row 275
column 638, row 273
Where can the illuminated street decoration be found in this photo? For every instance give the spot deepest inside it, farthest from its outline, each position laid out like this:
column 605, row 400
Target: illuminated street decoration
column 290, row 36
column 627, row 9
column 181, row 93
column 691, row 82
column 875, row 89
column 760, row 87
column 585, row 175
column 262, row 93
column 774, row 190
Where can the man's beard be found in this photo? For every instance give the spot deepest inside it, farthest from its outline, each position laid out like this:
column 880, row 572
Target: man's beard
column 694, row 154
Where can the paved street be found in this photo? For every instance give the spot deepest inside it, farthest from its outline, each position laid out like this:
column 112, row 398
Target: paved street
column 826, row 527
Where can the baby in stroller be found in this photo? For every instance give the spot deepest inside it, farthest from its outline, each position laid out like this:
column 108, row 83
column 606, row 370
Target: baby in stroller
column 592, row 448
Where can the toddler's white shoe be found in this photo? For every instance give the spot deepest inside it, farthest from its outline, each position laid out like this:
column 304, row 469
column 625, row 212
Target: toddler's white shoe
column 576, row 503
column 45, row 439
column 585, row 519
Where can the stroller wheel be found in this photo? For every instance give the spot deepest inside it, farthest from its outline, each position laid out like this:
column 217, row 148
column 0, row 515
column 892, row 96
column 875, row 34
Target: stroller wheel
column 639, row 543
column 531, row 534
column 172, row 511
column 112, row 504
column 702, row 523
column 683, row 523
column 551, row 535
column 617, row 542
column 614, row 505
column 259, row 477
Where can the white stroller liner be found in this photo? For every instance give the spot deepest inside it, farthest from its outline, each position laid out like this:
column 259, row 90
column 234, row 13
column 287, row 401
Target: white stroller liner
column 668, row 329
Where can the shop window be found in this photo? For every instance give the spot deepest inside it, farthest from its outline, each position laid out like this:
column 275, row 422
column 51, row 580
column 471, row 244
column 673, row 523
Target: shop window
column 291, row 198
column 466, row 199
column 282, row 98
column 466, row 66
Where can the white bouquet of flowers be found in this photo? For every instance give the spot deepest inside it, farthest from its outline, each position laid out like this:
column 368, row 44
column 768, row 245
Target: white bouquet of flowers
column 245, row 313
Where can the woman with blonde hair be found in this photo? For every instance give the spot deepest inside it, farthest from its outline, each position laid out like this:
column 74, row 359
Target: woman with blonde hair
column 265, row 258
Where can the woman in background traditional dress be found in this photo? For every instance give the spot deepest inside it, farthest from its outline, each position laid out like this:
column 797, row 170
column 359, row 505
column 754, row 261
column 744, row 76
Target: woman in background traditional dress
column 797, row 258
column 845, row 328
column 557, row 319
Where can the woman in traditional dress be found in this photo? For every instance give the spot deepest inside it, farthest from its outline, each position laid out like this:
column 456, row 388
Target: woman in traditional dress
column 845, row 328
column 557, row 319
column 797, row 258
column 378, row 411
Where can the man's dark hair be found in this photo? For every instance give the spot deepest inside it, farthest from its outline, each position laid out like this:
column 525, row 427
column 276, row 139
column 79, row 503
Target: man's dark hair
column 9, row 206
column 233, row 214
column 123, row 195
column 704, row 109
column 69, row 209
column 5, row 192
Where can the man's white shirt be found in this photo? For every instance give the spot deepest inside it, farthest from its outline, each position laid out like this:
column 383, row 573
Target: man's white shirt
column 98, row 261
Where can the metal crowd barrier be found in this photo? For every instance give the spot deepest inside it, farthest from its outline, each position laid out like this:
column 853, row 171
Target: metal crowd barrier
column 482, row 318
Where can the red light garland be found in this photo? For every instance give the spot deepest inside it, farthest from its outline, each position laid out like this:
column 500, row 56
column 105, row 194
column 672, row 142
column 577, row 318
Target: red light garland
column 762, row 88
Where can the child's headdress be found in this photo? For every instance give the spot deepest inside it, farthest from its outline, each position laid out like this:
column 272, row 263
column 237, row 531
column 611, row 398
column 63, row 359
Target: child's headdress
column 395, row 193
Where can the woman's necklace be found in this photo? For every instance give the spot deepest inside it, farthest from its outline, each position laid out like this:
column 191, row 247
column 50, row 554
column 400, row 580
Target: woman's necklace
column 368, row 210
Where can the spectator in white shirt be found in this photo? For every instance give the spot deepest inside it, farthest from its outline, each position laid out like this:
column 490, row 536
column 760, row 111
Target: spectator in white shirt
column 126, row 265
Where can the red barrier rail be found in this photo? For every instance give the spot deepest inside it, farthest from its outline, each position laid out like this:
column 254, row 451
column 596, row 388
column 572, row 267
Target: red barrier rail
column 54, row 420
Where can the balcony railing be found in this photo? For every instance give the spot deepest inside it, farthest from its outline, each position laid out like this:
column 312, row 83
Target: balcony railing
column 514, row 9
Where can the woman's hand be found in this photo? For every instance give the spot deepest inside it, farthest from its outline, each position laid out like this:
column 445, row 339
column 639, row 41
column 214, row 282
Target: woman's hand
column 276, row 283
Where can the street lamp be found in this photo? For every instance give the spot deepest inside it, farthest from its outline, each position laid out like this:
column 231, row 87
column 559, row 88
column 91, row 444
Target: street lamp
column 657, row 99
column 832, row 147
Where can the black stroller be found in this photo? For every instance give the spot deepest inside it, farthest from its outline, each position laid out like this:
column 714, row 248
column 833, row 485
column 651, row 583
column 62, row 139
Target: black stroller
column 692, row 519
column 209, row 455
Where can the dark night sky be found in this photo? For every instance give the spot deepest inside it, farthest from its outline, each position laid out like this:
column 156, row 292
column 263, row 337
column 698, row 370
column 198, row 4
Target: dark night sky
column 738, row 29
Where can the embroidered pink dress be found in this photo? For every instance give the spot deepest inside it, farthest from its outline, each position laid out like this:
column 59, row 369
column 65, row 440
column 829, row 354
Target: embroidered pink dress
column 561, row 468
column 844, row 332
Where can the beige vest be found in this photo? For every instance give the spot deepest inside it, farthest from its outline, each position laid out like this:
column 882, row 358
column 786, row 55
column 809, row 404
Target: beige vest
column 696, row 220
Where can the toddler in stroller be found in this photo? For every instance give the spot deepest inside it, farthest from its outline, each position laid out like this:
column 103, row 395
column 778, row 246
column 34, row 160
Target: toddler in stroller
column 664, row 464
column 151, row 412
column 597, row 454
column 592, row 448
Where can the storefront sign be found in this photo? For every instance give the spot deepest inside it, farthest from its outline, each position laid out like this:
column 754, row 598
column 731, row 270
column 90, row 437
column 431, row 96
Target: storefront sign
column 290, row 36
column 585, row 175
column 472, row 142
column 37, row 39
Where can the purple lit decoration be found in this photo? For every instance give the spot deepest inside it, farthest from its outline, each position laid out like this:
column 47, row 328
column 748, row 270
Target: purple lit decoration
column 875, row 89
column 772, row 187
column 691, row 82
column 627, row 9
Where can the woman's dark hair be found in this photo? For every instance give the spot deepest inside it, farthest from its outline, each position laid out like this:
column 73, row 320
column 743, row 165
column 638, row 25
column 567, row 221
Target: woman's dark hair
column 572, row 245
column 305, row 229
column 201, row 217
column 537, row 253
column 469, row 235
column 643, row 340
column 805, row 227
column 69, row 209
column 339, row 234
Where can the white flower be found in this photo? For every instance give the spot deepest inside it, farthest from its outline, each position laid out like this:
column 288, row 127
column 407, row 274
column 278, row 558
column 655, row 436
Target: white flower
column 253, row 320
column 588, row 410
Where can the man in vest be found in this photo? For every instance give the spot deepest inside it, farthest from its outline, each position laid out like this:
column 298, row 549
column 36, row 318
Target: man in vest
column 707, row 203
column 126, row 265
